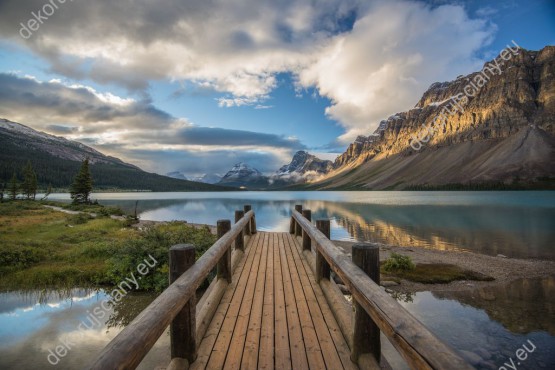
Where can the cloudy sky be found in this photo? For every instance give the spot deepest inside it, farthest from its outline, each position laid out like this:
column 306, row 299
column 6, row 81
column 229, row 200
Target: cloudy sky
column 196, row 86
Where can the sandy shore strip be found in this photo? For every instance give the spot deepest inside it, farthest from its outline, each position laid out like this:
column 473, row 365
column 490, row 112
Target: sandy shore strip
column 502, row 269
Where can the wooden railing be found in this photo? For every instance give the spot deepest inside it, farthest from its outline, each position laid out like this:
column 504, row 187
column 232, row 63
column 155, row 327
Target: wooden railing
column 177, row 304
column 375, row 310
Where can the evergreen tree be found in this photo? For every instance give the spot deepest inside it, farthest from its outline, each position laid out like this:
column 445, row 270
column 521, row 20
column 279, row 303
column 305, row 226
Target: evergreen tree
column 2, row 191
column 82, row 185
column 14, row 187
column 29, row 185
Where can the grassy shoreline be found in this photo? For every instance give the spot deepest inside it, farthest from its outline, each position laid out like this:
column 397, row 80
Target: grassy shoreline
column 42, row 248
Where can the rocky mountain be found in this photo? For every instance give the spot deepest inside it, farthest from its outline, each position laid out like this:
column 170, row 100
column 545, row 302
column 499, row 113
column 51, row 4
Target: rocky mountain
column 303, row 167
column 56, row 146
column 56, row 161
column 208, row 178
column 495, row 126
column 243, row 175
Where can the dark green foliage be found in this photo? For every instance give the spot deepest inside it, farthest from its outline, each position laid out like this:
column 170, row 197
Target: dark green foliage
column 79, row 219
column 20, row 257
column 398, row 262
column 82, row 185
column 2, row 191
column 16, row 208
column 436, row 273
column 29, row 185
column 541, row 183
column 14, row 187
column 154, row 246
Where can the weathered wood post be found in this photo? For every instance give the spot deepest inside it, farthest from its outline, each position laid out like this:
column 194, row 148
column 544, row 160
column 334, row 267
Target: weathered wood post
column 366, row 334
column 224, row 265
column 253, row 225
column 246, row 209
column 322, row 266
column 306, row 239
column 183, row 329
column 239, row 241
column 298, row 228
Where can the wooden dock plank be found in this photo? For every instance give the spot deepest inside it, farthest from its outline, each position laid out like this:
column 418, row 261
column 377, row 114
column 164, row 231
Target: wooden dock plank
column 205, row 348
column 240, row 298
column 296, row 343
column 329, row 334
column 313, row 349
column 254, row 322
column 266, row 354
column 282, row 349
column 207, row 344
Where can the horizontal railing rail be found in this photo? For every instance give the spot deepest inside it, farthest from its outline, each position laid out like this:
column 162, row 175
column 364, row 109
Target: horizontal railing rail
column 131, row 345
column 416, row 344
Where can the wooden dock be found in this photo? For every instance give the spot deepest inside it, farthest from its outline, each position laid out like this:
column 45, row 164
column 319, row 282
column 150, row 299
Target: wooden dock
column 273, row 315
column 274, row 305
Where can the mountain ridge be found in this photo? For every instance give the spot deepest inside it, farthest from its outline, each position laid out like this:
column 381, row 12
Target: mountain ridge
column 56, row 161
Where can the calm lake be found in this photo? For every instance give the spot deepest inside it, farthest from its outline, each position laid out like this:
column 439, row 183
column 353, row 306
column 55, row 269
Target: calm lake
column 487, row 325
column 515, row 224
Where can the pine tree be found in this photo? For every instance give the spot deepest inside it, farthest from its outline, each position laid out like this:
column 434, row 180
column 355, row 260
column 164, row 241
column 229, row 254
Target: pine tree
column 14, row 187
column 29, row 185
column 82, row 185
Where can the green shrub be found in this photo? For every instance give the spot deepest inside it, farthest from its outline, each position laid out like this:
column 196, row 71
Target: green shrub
column 155, row 242
column 16, row 207
column 20, row 256
column 79, row 219
column 398, row 262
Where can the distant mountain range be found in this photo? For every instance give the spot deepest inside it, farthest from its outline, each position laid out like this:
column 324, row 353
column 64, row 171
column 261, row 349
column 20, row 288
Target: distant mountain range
column 207, row 178
column 56, row 161
column 503, row 137
column 304, row 167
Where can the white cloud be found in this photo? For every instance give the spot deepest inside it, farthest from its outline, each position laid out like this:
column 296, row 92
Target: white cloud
column 394, row 52
column 136, row 131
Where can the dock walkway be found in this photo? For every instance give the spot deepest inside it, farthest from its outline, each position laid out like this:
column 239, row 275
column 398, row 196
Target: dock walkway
column 273, row 315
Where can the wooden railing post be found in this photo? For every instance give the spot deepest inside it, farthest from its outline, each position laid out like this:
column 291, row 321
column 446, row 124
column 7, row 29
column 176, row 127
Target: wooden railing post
column 253, row 224
column 306, row 239
column 298, row 228
column 239, row 241
column 322, row 266
column 246, row 209
column 366, row 334
column 224, row 265
column 183, row 328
